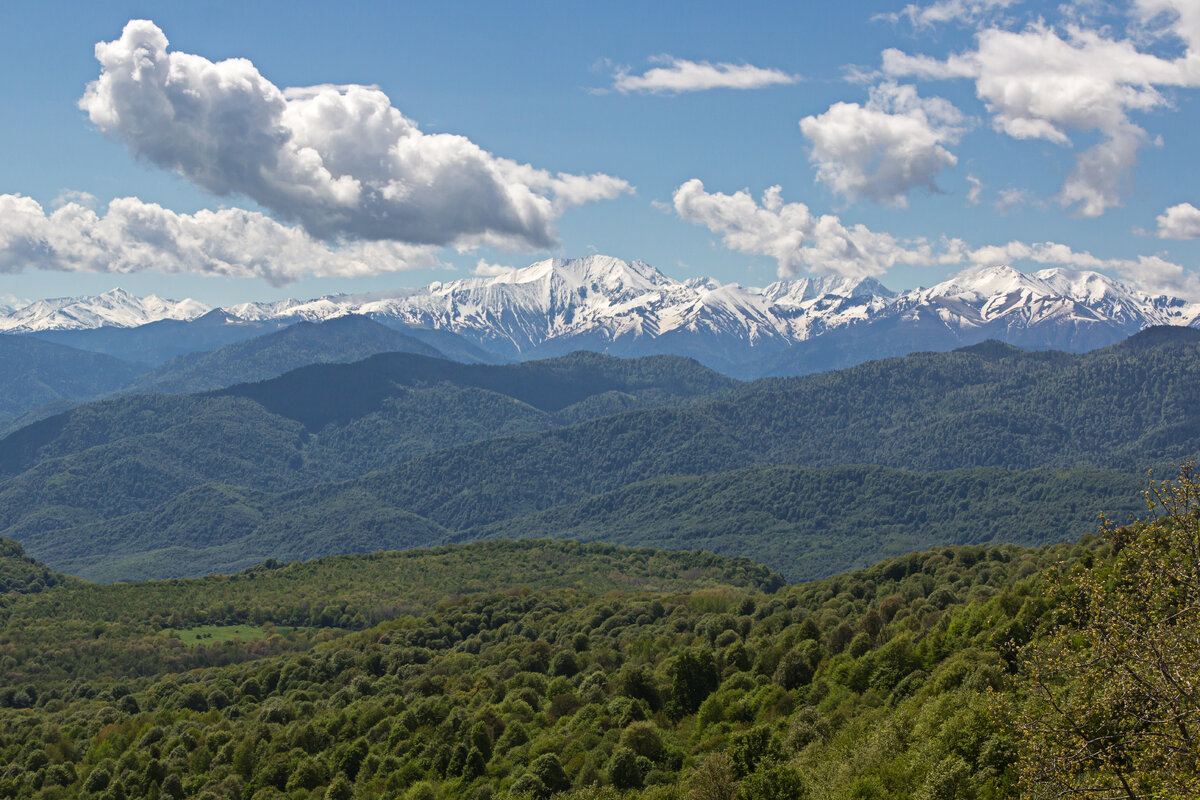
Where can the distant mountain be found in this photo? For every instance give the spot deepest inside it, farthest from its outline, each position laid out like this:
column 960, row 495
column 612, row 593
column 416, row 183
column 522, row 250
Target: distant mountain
column 34, row 373
column 320, row 423
column 116, row 308
column 342, row 339
column 164, row 339
column 630, row 309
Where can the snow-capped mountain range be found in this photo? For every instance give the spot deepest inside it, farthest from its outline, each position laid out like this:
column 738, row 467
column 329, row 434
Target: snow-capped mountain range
column 116, row 308
column 630, row 308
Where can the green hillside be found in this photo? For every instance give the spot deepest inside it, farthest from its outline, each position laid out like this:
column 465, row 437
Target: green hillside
column 401, row 450
column 810, row 522
column 550, row 670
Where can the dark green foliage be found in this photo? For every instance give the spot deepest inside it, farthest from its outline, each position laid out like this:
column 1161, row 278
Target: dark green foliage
column 319, row 395
column 98, row 489
column 623, row 770
column 693, row 677
column 21, row 574
column 776, row 782
column 809, row 522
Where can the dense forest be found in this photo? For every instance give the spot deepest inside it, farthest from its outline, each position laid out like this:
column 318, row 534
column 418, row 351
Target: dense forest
column 593, row 671
column 986, row 444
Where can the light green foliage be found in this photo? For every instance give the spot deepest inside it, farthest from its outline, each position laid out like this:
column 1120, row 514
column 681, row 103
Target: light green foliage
column 693, row 676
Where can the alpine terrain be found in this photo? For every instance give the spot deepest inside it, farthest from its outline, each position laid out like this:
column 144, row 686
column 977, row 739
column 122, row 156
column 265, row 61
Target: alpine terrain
column 607, row 305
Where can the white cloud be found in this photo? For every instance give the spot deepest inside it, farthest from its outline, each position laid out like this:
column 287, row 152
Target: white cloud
column 800, row 241
column 12, row 302
column 340, row 160
column 133, row 236
column 1040, row 84
column 884, row 149
column 968, row 11
column 1010, row 198
column 975, row 191
column 679, row 75
column 790, row 233
column 85, row 199
column 485, row 270
column 1179, row 222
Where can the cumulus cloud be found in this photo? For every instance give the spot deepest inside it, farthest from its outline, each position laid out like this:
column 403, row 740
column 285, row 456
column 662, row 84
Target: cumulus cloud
column 339, row 160
column 968, row 11
column 790, row 233
column 133, row 236
column 1040, row 84
column 884, row 149
column 801, row 241
column 679, row 75
column 1179, row 222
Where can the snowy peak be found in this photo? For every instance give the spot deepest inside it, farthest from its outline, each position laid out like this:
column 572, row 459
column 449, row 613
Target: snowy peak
column 630, row 308
column 115, row 308
column 986, row 294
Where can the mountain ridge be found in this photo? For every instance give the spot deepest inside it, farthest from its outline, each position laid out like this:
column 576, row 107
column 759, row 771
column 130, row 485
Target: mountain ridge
column 631, row 309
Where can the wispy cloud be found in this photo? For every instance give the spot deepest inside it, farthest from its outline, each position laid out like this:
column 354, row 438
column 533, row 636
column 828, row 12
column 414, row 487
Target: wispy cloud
column 975, row 191
column 680, row 75
column 965, row 11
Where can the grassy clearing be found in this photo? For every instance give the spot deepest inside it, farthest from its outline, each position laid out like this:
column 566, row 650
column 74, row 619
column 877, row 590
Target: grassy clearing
column 209, row 634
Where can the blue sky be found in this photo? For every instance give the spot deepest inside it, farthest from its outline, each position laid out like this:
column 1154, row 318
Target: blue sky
column 906, row 142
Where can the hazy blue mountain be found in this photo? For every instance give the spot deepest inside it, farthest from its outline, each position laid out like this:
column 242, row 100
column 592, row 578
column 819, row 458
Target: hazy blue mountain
column 342, row 339
column 156, row 342
column 34, row 373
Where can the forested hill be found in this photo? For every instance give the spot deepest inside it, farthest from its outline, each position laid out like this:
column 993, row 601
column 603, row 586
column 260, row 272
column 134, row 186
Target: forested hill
column 321, row 395
column 402, row 450
column 589, row 672
column 1128, row 405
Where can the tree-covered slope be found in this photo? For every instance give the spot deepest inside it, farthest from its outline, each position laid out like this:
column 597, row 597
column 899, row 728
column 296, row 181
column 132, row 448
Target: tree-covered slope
column 804, row 522
column 1128, row 405
column 34, row 373
column 808, row 522
column 20, row 574
column 568, row 671
column 156, row 342
column 337, row 393
column 647, row 678
column 437, row 448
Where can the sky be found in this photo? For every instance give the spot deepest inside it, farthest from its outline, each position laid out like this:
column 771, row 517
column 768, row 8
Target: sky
column 254, row 151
